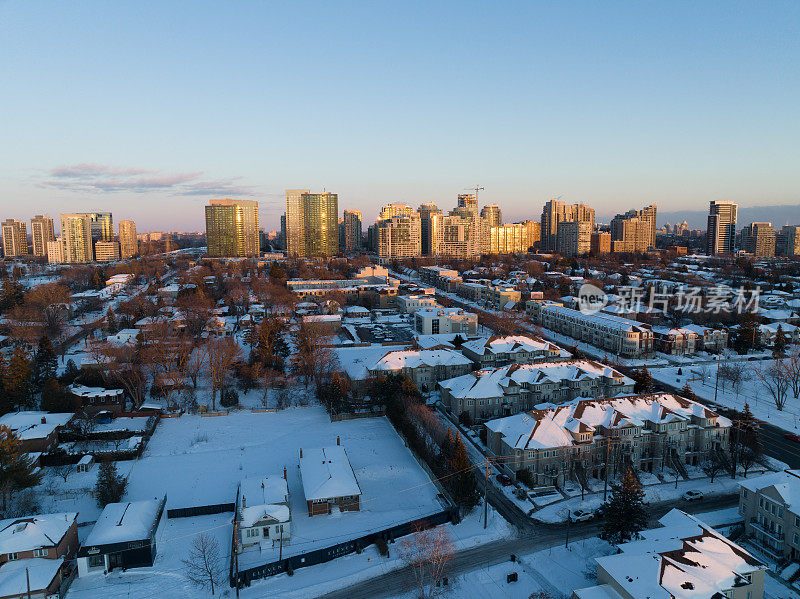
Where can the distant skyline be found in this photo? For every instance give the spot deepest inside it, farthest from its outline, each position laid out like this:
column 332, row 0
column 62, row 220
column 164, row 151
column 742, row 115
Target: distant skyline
column 150, row 109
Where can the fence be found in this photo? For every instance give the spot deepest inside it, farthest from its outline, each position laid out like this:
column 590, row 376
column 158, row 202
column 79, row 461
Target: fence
column 200, row 510
column 355, row 415
column 326, row 554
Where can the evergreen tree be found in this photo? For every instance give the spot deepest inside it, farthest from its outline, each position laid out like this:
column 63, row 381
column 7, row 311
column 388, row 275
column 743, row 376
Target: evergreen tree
column 55, row 398
column 745, row 445
column 17, row 471
column 45, row 363
column 643, row 381
column 110, row 486
column 687, row 392
column 780, row 342
column 18, row 378
column 5, row 404
column 624, row 513
column 11, row 294
column 463, row 484
column 111, row 322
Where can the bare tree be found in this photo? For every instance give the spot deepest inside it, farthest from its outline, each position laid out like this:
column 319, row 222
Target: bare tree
column 775, row 381
column 428, row 552
column 220, row 357
column 737, row 374
column 63, row 470
column 793, row 370
column 204, row 565
column 712, row 465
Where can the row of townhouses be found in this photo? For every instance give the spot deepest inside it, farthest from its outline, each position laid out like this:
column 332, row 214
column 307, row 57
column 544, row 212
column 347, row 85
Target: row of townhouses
column 585, row 436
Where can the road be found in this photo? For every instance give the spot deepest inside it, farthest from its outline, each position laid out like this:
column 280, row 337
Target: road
column 540, row 537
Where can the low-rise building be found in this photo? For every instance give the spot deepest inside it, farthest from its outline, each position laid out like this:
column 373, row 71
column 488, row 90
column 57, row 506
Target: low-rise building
column 106, row 251
column 425, row 367
column 770, row 505
column 409, row 304
column 683, row 559
column 264, row 511
column 620, row 336
column 124, row 536
column 586, row 436
column 37, row 431
column 511, row 389
column 675, row 341
column 98, row 399
column 433, row 321
column 709, row 339
column 328, row 480
column 499, row 350
column 48, row 536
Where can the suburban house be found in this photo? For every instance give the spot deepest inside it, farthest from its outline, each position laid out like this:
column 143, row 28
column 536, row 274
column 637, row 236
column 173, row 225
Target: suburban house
column 584, row 437
column 436, row 320
column 124, row 536
column 263, row 511
column 37, row 431
column 709, row 339
column 425, row 367
column 98, row 399
column 499, row 350
column 511, row 389
column 770, row 505
column 328, row 480
column 35, row 578
column 48, row 536
column 683, row 559
column 621, row 336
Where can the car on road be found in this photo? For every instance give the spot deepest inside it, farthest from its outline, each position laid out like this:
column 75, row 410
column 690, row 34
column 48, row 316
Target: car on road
column 504, row 480
column 792, row 437
column 582, row 515
column 693, row 495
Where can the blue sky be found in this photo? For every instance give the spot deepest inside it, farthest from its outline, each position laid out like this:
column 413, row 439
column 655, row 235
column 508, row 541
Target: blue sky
column 148, row 109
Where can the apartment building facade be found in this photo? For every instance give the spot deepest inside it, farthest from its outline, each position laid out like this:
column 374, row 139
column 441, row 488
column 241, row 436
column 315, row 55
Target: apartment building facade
column 399, row 232
column 771, row 513
column 439, row 320
column 43, row 232
column 758, row 239
column 15, row 238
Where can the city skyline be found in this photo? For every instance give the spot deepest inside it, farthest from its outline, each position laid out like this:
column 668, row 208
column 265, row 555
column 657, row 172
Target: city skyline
column 676, row 106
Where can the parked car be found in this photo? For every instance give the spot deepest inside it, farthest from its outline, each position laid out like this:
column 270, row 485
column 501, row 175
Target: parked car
column 582, row 515
column 792, row 437
column 693, row 495
column 504, row 480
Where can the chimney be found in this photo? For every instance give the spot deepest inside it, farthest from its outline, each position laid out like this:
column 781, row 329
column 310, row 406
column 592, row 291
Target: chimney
column 284, row 473
column 244, row 501
column 301, row 452
column 44, row 420
column 338, row 440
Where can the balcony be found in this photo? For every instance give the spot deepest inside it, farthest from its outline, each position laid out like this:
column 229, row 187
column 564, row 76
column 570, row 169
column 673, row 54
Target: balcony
column 762, row 529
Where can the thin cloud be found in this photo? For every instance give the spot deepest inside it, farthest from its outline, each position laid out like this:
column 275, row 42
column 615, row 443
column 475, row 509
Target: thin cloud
column 99, row 178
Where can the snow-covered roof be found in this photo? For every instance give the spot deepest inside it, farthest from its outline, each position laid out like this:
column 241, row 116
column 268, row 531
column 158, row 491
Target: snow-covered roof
column 263, row 490
column 506, row 344
column 541, row 429
column 279, row 512
column 83, row 391
column 326, row 473
column 17, row 575
column 125, row 522
column 34, row 532
column 411, row 358
column 785, row 484
column 34, row 425
column 492, row 382
column 608, row 320
column 356, row 361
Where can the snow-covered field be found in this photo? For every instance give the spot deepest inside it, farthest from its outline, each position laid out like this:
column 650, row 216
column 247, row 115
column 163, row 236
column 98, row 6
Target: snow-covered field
column 702, row 381
column 200, row 461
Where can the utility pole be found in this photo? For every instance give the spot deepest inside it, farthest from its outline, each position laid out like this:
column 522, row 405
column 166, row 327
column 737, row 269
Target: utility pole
column 236, row 552
column 569, row 521
column 608, row 466
column 486, row 497
column 280, row 555
column 716, row 382
column 28, row 582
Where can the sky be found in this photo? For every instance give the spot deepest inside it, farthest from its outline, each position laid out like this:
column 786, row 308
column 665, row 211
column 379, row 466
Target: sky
column 150, row 109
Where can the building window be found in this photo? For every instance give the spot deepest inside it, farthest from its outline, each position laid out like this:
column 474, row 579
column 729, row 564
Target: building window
column 97, row 561
column 13, row 556
column 41, row 552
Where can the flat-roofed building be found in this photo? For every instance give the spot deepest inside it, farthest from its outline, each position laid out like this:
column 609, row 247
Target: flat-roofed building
column 15, row 238
column 43, row 232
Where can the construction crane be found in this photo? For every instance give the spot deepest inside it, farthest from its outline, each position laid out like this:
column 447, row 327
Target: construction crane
column 476, row 189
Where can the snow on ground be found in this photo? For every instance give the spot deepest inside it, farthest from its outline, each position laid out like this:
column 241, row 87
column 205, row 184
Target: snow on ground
column 200, row 460
column 702, row 380
column 561, row 570
column 350, row 569
column 54, row 495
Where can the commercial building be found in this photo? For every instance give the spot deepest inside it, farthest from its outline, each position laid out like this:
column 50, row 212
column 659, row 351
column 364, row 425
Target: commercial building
column 683, row 559
column 758, row 239
column 492, row 215
column 43, row 232
column 312, row 227
column 102, row 226
column 600, row 243
column 106, row 251
column 15, row 238
column 426, row 212
column 771, row 511
column 787, row 242
column 721, row 231
column 512, row 389
column 232, row 228
column 438, row 320
column 513, row 238
column 556, row 211
column 399, row 232
column 352, row 230
column 574, row 237
column 575, row 441
column 620, row 336
column 635, row 230
column 76, row 237
column 128, row 242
